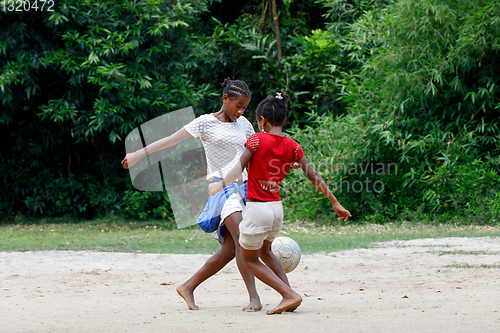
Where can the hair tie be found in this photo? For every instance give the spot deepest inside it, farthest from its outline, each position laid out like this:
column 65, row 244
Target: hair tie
column 278, row 95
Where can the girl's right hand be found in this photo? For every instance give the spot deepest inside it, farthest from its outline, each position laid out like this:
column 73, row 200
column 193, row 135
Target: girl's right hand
column 129, row 160
column 214, row 188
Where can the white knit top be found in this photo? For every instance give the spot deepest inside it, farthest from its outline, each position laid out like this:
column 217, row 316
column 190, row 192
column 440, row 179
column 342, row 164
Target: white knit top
column 224, row 142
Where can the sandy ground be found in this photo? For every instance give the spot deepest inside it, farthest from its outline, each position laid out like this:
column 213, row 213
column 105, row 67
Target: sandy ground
column 400, row 286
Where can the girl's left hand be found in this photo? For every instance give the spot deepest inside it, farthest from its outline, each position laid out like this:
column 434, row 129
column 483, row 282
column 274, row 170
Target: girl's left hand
column 214, row 188
column 343, row 213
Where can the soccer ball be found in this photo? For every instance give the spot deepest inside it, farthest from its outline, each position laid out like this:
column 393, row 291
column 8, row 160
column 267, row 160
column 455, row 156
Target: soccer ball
column 288, row 252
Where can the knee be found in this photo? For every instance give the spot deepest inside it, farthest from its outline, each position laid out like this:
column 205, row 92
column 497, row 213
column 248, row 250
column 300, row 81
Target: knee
column 228, row 252
column 251, row 258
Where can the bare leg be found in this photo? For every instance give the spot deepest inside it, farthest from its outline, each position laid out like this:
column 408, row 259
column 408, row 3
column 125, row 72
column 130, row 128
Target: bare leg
column 291, row 300
column 214, row 264
column 232, row 223
column 271, row 261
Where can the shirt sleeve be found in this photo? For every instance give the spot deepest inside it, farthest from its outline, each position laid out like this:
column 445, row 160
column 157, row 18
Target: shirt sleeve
column 196, row 126
column 253, row 143
column 298, row 153
column 250, row 130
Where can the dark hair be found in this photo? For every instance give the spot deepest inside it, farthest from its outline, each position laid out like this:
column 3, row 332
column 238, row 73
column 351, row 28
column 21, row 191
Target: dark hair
column 273, row 109
column 235, row 88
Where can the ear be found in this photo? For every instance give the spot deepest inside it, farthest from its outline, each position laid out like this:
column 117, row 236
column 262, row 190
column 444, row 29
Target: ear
column 263, row 121
column 225, row 98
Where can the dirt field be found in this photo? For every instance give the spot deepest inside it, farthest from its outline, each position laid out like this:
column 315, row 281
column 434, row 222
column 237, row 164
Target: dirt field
column 431, row 285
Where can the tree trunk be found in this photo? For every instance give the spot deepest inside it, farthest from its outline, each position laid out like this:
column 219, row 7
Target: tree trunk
column 276, row 25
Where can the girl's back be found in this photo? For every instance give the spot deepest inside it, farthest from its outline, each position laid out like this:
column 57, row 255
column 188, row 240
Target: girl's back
column 272, row 158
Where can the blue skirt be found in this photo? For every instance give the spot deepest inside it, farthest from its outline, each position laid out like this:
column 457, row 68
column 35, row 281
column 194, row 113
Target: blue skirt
column 209, row 219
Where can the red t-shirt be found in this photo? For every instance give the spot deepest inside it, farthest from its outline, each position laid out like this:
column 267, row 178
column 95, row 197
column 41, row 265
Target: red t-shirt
column 272, row 158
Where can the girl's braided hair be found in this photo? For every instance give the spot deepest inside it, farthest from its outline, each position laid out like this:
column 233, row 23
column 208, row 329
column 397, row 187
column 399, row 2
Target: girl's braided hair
column 273, row 109
column 235, row 88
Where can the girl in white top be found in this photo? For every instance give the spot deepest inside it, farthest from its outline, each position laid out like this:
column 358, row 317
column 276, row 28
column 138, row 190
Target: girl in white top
column 223, row 135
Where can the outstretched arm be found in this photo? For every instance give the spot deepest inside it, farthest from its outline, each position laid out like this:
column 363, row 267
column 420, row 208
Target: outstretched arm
column 318, row 182
column 235, row 173
column 166, row 142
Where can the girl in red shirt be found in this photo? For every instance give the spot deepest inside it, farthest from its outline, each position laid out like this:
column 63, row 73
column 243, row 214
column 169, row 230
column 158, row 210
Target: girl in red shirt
column 269, row 156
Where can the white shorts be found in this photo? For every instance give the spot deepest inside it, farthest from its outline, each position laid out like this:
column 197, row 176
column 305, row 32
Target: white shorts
column 262, row 221
column 233, row 204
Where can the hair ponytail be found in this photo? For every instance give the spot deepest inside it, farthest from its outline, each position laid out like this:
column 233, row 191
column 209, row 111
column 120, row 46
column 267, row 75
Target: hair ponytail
column 235, row 88
column 274, row 109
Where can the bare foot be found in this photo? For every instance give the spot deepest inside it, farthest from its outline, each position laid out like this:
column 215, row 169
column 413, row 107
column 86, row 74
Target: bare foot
column 287, row 304
column 188, row 296
column 254, row 306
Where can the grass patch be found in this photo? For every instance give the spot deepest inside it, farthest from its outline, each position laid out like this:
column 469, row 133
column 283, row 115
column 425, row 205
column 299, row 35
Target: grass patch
column 152, row 237
column 104, row 236
column 335, row 238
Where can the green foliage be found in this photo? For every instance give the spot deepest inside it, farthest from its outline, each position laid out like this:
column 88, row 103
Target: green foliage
column 396, row 103
column 74, row 82
column 425, row 89
column 441, row 89
column 146, row 204
column 341, row 151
